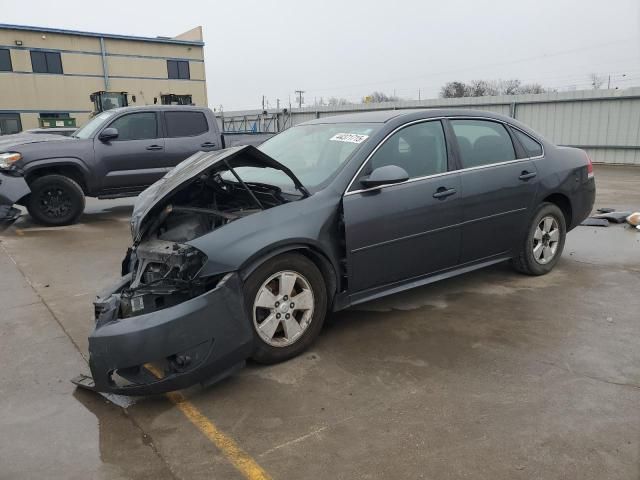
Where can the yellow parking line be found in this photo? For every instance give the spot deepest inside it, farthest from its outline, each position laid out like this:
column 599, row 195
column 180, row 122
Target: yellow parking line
column 240, row 459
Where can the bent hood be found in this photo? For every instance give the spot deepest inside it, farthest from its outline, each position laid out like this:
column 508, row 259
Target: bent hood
column 7, row 142
column 190, row 169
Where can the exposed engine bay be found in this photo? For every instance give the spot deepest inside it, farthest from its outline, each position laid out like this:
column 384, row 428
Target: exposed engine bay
column 164, row 269
column 211, row 203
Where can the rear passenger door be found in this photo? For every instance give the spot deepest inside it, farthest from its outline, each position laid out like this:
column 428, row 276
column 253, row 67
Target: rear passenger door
column 498, row 188
column 187, row 132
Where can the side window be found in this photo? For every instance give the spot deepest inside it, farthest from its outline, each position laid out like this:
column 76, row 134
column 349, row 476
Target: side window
column 178, row 69
column 5, row 60
column 185, row 124
column 533, row 148
column 136, row 126
column 419, row 148
column 10, row 123
column 46, row 62
column 482, row 142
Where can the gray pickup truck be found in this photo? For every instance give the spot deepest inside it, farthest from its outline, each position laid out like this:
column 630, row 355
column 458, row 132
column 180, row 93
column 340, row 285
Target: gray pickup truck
column 118, row 153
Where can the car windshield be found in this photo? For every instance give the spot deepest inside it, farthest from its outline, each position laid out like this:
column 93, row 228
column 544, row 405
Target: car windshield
column 94, row 125
column 314, row 153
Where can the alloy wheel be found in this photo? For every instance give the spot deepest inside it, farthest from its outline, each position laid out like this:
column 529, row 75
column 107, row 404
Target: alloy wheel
column 546, row 239
column 283, row 308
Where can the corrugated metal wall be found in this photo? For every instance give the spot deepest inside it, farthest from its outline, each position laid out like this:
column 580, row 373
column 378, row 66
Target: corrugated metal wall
column 606, row 123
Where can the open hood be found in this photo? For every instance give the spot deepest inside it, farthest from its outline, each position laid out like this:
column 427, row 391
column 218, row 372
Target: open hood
column 190, row 169
column 7, row 142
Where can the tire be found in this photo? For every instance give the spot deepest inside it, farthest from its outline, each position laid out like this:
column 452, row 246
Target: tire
column 55, row 200
column 265, row 288
column 541, row 247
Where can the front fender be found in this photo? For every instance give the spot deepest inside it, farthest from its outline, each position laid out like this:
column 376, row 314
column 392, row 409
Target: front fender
column 310, row 224
column 35, row 165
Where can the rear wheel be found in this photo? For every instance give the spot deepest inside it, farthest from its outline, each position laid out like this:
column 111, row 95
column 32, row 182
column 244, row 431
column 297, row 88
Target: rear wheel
column 544, row 242
column 286, row 299
column 55, row 200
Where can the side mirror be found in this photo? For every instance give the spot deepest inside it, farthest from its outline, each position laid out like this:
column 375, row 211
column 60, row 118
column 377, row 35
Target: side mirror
column 108, row 134
column 387, row 175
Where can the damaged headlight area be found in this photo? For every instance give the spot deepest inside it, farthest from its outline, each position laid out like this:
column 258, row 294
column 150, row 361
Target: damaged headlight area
column 163, row 274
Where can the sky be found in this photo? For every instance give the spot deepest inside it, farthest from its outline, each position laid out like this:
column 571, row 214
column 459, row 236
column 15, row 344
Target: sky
column 350, row 48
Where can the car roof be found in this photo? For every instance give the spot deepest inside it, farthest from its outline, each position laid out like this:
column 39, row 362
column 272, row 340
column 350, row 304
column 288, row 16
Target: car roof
column 155, row 107
column 383, row 116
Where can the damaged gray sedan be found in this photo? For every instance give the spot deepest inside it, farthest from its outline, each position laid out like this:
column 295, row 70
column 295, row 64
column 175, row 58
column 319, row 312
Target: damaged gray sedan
column 242, row 253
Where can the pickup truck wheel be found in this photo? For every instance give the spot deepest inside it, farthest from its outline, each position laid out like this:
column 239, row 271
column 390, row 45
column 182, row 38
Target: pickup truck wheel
column 55, row 200
column 544, row 242
column 286, row 300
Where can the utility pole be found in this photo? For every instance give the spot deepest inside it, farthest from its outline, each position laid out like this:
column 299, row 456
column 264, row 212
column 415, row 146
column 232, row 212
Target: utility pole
column 277, row 104
column 419, row 95
column 299, row 93
column 609, row 82
column 263, row 103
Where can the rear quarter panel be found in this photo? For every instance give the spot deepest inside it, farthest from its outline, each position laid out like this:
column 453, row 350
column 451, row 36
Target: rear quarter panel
column 563, row 170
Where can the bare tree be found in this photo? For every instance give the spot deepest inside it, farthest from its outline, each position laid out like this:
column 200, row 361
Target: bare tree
column 453, row 90
column 337, row 102
column 509, row 87
column 532, row 88
column 482, row 88
column 596, row 80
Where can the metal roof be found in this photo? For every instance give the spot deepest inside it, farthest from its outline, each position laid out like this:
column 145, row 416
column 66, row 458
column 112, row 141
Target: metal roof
column 27, row 28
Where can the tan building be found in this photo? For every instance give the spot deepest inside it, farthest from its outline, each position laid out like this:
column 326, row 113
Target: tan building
column 48, row 73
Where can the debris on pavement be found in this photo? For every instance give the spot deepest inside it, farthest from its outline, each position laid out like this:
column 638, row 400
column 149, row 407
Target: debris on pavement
column 607, row 215
column 634, row 219
column 595, row 222
column 615, row 217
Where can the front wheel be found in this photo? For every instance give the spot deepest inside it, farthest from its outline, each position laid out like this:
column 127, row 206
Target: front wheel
column 55, row 200
column 286, row 299
column 544, row 242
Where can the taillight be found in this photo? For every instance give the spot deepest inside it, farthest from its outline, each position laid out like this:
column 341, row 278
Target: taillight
column 589, row 166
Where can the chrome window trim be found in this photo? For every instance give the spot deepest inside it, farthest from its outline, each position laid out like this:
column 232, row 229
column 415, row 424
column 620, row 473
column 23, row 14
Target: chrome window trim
column 411, row 180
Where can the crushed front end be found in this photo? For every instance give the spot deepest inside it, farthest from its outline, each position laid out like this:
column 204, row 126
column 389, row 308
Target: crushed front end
column 164, row 328
column 173, row 320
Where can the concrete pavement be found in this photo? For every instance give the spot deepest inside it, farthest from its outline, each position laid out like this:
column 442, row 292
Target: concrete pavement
column 489, row 375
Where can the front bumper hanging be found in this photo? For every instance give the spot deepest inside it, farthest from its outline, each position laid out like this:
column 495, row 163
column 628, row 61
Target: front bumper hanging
column 12, row 189
column 200, row 340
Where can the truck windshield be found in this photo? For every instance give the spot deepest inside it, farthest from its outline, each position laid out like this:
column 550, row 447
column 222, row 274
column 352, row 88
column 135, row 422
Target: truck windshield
column 314, row 153
column 94, row 125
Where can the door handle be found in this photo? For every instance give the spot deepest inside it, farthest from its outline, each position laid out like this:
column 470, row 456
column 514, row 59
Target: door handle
column 527, row 175
column 444, row 192
column 155, row 147
column 208, row 145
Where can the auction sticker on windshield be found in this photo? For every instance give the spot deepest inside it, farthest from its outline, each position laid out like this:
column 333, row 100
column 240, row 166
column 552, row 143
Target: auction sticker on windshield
column 349, row 137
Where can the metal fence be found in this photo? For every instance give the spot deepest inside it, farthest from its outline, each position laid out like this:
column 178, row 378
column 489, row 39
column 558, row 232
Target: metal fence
column 606, row 123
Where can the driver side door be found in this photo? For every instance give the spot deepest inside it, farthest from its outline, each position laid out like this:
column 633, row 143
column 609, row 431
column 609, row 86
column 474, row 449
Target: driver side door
column 400, row 232
column 136, row 158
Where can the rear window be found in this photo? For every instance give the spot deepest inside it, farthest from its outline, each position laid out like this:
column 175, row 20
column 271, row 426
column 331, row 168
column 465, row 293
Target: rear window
column 533, row 148
column 482, row 142
column 185, row 124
